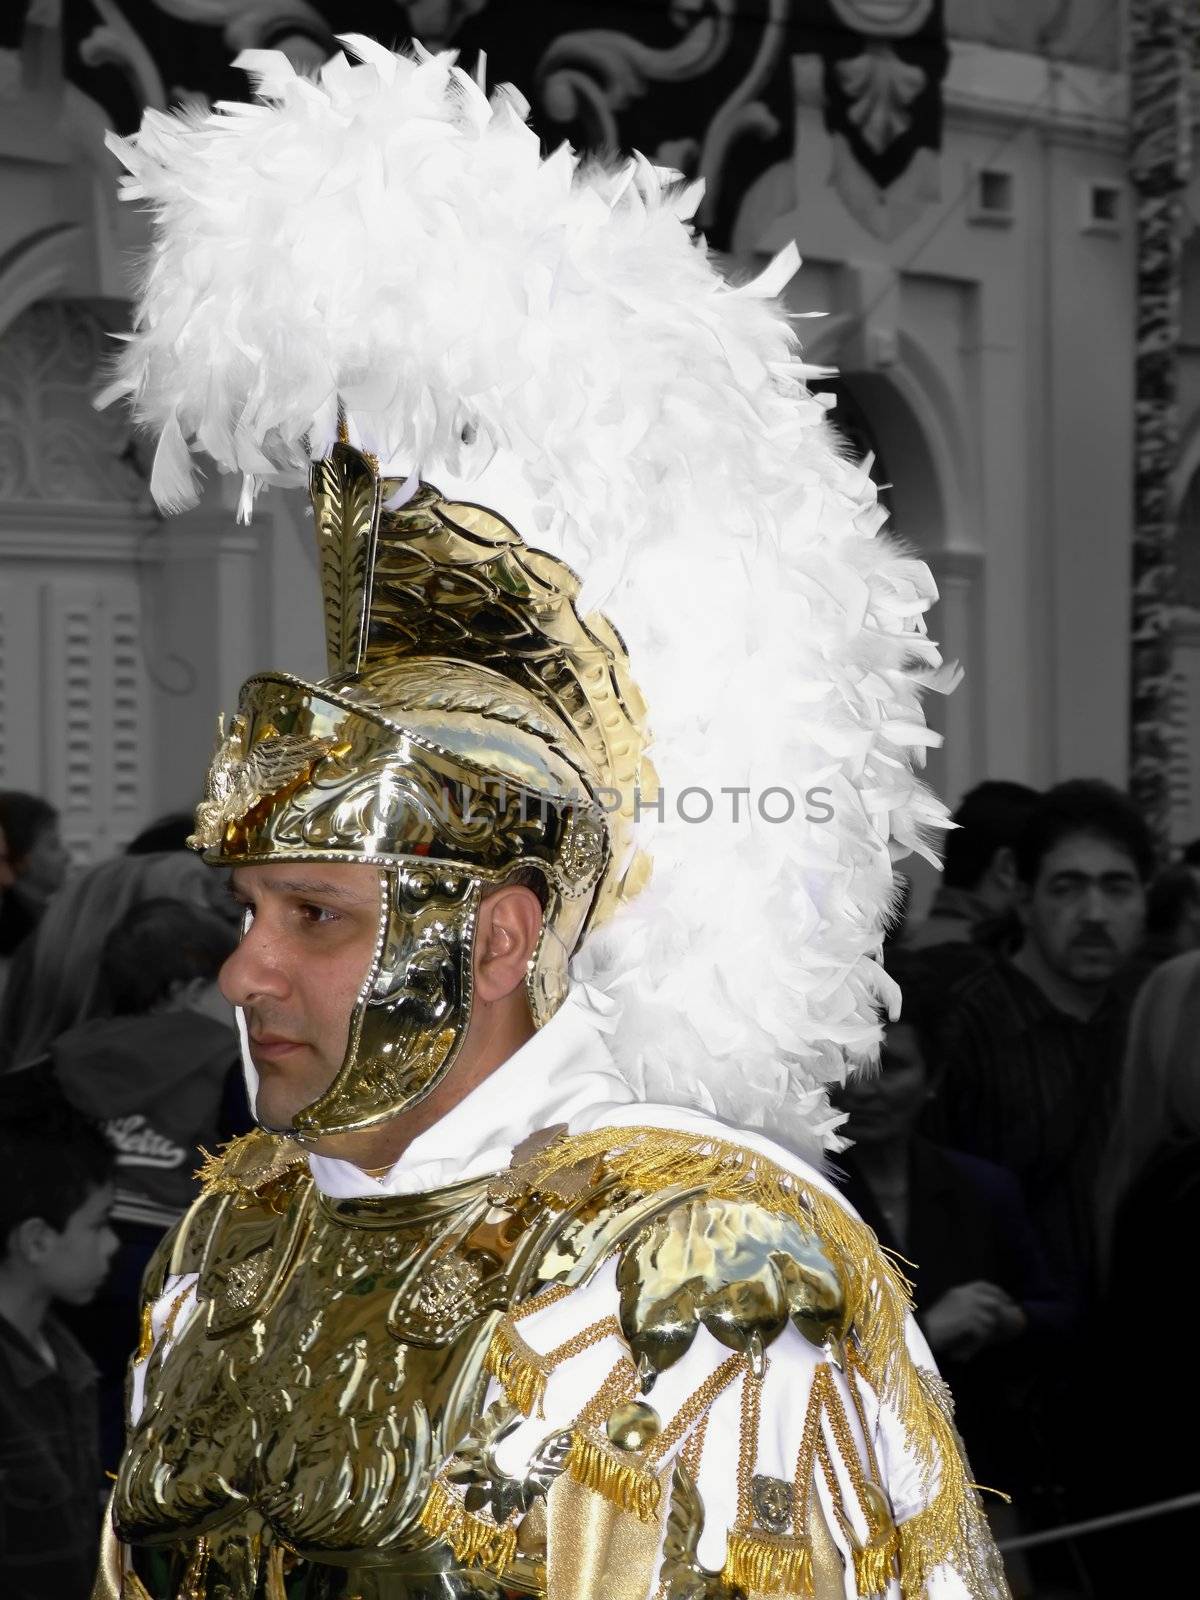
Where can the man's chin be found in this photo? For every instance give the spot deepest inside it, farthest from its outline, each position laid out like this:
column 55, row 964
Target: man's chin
column 273, row 1113
column 1093, row 967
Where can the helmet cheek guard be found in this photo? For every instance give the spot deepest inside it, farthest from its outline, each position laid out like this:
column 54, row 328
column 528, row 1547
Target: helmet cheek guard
column 413, row 1011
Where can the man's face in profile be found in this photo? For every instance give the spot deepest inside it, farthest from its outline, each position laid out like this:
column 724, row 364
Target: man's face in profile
column 1086, row 911
column 298, row 972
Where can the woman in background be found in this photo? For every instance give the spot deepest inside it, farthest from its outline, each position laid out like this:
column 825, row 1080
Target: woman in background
column 982, row 1296
column 1149, row 1221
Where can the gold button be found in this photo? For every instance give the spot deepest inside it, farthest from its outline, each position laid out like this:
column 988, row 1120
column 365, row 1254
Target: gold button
column 633, row 1425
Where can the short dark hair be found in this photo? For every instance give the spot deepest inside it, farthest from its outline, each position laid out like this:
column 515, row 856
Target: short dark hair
column 23, row 817
column 1170, row 896
column 168, row 833
column 52, row 1158
column 1084, row 806
column 528, row 878
column 922, row 1004
column 157, row 944
column 990, row 817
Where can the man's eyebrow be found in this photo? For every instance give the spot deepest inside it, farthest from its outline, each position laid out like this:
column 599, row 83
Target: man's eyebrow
column 327, row 888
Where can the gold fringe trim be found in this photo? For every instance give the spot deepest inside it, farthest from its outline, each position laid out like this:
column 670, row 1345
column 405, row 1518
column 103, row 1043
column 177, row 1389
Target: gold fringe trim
column 875, row 1566
column 474, row 1542
column 521, row 1371
column 925, row 1542
column 274, row 1587
column 877, row 1295
column 616, row 1477
column 952, row 1527
column 517, row 1367
column 195, row 1579
column 764, row 1563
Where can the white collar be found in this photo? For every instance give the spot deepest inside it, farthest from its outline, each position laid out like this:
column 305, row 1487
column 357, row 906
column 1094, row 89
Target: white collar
column 564, row 1074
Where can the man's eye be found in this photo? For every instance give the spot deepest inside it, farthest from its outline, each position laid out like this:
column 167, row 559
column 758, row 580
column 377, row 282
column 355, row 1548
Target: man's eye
column 318, row 914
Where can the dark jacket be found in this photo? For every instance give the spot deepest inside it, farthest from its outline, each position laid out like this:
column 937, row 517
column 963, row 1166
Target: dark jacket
column 967, row 1221
column 50, row 1478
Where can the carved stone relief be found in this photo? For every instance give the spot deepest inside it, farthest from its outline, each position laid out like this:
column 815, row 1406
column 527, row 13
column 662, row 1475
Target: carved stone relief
column 53, row 444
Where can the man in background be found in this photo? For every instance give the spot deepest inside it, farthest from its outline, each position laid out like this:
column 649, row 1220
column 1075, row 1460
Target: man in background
column 35, row 866
column 978, row 893
column 1032, row 1044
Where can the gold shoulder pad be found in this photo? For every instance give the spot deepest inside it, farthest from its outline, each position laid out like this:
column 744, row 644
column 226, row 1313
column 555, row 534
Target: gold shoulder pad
column 732, row 1267
column 247, row 1165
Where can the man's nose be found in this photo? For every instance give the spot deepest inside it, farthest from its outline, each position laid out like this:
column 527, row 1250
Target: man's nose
column 1096, row 906
column 254, row 969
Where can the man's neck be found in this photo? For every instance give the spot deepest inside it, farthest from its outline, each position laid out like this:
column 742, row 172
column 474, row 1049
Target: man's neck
column 884, row 1164
column 24, row 1305
column 495, row 1034
column 1076, row 999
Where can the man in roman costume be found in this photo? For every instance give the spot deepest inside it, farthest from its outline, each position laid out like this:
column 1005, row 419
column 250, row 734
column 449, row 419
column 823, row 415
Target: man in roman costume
column 511, row 1294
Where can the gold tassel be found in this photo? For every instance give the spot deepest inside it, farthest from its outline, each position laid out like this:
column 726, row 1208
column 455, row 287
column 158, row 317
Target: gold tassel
column 274, row 1587
column 874, row 1566
column 474, row 1542
column 132, row 1588
column 615, row 1475
column 764, row 1563
column 195, row 1579
column 517, row 1368
column 146, row 1336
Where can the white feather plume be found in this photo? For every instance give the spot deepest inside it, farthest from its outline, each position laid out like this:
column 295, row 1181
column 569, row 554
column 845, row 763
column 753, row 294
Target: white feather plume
column 549, row 338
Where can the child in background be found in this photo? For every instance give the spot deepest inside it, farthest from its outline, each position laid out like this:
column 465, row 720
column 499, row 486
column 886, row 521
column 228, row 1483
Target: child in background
column 55, row 1246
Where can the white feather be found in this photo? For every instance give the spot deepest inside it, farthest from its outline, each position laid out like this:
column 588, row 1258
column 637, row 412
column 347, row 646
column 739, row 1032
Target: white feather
column 549, row 338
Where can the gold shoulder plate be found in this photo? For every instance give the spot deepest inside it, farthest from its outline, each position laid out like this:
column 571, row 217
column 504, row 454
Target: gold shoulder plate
column 249, row 1164
column 732, row 1267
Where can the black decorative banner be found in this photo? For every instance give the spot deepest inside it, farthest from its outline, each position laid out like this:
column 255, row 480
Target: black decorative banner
column 883, row 69
column 701, row 85
column 12, row 23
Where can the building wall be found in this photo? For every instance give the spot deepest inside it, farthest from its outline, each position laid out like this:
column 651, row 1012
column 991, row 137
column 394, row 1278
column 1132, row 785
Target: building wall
column 991, row 351
column 981, row 319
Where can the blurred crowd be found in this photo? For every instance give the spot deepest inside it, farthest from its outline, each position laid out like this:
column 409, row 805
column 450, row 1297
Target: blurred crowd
column 1030, row 1148
column 119, row 1066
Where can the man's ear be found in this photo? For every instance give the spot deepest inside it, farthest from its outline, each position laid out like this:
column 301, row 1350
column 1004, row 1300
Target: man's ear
column 1003, row 869
column 510, row 922
column 31, row 1241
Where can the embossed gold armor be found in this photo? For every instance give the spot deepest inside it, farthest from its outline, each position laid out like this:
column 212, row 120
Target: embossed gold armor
column 336, row 1359
column 473, row 726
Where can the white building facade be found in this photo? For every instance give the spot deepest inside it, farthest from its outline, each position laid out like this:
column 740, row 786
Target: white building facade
column 980, row 312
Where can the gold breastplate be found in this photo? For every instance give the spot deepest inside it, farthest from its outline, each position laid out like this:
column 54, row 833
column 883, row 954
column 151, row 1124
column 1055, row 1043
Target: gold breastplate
column 334, row 1361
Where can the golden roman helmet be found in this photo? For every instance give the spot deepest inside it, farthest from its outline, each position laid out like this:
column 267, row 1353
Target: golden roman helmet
column 474, row 727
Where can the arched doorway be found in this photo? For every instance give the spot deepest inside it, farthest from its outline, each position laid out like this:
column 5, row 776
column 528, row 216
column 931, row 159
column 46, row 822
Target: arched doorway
column 74, row 515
